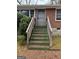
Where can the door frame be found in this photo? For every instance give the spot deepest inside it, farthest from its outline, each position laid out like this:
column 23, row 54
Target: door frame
column 37, row 10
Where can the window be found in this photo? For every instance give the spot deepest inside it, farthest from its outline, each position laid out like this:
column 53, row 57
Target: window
column 25, row 12
column 29, row 13
column 58, row 28
column 58, row 14
column 32, row 13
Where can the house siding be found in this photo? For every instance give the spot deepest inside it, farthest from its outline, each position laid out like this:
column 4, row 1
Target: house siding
column 51, row 14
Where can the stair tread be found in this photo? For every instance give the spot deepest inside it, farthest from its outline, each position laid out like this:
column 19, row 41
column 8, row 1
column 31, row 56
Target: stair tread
column 39, row 34
column 38, row 46
column 39, row 41
column 39, row 30
column 39, row 38
column 40, row 27
column 44, row 44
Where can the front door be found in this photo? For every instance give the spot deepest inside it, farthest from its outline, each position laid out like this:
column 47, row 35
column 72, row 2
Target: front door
column 41, row 19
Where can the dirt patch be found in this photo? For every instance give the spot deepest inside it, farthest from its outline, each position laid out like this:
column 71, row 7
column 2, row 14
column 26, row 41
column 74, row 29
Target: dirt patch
column 37, row 54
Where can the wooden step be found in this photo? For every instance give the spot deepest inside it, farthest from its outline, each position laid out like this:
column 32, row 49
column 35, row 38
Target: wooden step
column 39, row 41
column 38, row 46
column 44, row 31
column 44, row 44
column 40, row 27
column 44, row 35
column 39, row 32
column 41, row 38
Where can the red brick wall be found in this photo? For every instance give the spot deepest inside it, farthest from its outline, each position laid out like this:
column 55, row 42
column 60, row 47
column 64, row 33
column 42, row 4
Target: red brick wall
column 51, row 14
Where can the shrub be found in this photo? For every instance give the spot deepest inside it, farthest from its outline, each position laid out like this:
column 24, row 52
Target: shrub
column 24, row 22
column 19, row 16
column 27, row 19
column 21, row 40
column 23, row 25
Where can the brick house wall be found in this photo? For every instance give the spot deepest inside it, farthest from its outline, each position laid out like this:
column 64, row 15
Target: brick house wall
column 50, row 12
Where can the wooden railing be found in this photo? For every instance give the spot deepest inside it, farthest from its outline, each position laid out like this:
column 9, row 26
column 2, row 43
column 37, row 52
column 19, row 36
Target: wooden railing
column 29, row 29
column 49, row 28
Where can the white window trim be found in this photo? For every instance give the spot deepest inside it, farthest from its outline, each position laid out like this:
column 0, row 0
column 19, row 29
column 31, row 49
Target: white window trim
column 56, row 15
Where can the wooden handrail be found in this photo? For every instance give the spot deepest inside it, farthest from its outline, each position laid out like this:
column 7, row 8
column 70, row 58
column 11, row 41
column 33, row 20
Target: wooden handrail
column 29, row 29
column 29, row 24
column 49, row 28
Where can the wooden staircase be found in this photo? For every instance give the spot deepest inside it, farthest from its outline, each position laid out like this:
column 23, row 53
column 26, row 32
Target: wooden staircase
column 39, row 38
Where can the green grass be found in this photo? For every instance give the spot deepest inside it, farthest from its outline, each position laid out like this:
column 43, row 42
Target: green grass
column 56, row 42
column 21, row 40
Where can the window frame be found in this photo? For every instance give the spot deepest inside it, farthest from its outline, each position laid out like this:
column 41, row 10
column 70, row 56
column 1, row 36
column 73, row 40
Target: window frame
column 56, row 15
column 31, row 13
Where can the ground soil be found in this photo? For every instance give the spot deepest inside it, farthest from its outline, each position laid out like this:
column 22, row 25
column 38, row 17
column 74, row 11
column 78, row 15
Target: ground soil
column 38, row 54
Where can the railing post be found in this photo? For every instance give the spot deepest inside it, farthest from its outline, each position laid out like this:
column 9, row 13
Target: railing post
column 27, row 40
column 50, row 39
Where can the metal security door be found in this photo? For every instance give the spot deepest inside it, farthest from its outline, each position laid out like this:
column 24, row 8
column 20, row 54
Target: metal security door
column 41, row 19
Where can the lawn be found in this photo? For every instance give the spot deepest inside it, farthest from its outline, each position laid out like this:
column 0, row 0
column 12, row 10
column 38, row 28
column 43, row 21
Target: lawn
column 56, row 40
column 21, row 50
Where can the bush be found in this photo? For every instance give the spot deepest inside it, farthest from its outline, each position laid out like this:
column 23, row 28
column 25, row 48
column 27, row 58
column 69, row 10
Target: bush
column 21, row 40
column 26, row 19
column 19, row 16
column 23, row 25
column 24, row 22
